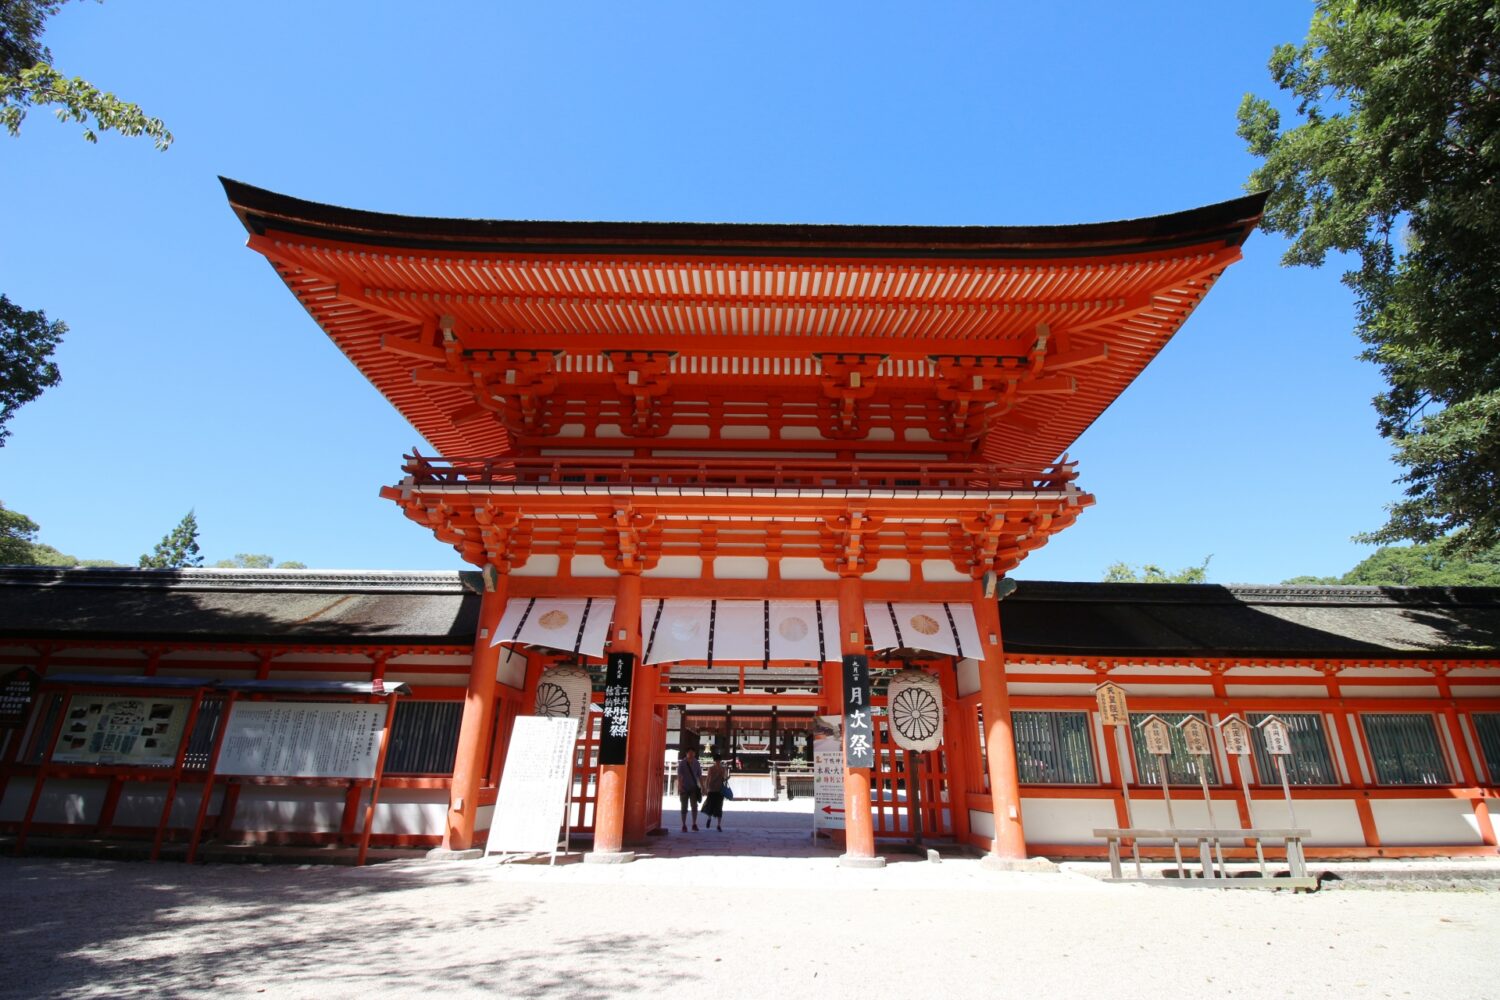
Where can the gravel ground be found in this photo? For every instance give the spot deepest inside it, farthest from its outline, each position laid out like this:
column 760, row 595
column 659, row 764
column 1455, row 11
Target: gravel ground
column 717, row 916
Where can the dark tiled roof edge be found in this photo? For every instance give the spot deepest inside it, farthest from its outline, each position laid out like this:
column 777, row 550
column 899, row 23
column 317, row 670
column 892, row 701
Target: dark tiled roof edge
column 1211, row 593
column 343, row 580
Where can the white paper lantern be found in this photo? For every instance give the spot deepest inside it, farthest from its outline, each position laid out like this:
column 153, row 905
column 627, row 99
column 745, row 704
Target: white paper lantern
column 916, row 710
column 564, row 692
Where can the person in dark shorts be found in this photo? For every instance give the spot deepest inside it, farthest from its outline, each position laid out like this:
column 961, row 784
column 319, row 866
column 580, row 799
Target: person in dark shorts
column 713, row 798
column 689, row 786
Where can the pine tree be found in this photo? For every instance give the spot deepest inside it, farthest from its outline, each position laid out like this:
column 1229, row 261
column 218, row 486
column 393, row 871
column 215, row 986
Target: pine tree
column 178, row 549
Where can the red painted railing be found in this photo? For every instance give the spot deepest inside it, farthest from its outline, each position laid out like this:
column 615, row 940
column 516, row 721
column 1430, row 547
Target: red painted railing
column 738, row 472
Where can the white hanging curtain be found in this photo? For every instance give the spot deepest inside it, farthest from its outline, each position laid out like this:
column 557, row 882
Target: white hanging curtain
column 946, row 627
column 570, row 624
column 691, row 629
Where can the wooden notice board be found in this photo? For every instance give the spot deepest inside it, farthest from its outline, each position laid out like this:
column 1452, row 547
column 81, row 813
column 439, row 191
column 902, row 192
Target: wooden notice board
column 534, row 789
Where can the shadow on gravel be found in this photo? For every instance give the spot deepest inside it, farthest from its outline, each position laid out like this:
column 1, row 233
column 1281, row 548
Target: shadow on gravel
column 87, row 929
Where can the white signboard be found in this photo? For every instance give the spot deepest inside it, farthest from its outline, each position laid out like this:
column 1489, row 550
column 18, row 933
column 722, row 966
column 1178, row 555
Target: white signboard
column 1112, row 710
column 1235, row 733
column 828, row 773
column 121, row 729
column 1195, row 736
column 1278, row 738
column 529, row 810
column 1158, row 735
column 297, row 739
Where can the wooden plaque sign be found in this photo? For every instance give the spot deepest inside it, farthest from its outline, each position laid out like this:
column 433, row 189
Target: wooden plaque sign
column 1235, row 732
column 1158, row 735
column 1195, row 736
column 1277, row 736
column 1112, row 710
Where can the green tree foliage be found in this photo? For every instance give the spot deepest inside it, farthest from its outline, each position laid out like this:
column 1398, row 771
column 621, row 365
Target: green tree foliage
column 1125, row 573
column 1396, row 160
column 179, row 548
column 1416, row 566
column 248, row 560
column 28, row 79
column 17, row 532
column 27, row 340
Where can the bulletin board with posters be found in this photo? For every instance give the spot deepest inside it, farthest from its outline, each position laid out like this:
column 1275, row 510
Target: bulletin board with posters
column 121, row 729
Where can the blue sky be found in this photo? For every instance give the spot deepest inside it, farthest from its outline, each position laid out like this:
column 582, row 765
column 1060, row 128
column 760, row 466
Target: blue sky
column 192, row 379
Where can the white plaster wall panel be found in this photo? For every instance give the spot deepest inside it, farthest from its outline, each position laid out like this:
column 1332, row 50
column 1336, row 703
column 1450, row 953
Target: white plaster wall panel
column 207, row 673
column 140, row 805
column 1366, row 775
column 1061, row 688
column 1424, row 821
column 484, row 818
column 1336, row 747
column 982, row 824
column 591, row 567
column 458, row 660
column 510, row 670
column 427, row 680
column 98, row 670
column 688, row 431
column 1475, row 690
column 891, row 570
column 290, row 808
column 967, row 677
column 227, row 655
column 1275, row 691
column 1187, row 809
column 1101, row 755
column 744, row 432
column 538, row 565
column 102, row 655
column 942, row 571
column 1389, row 691
column 1061, row 669
column 801, row 434
column 352, row 661
column 1384, row 672
column 73, row 800
column 319, row 675
column 410, row 812
column 1254, row 671
column 1475, row 672
column 1333, row 822
column 1065, row 821
column 741, row 568
column 805, row 568
column 1163, row 670
column 676, row 568
column 1167, row 690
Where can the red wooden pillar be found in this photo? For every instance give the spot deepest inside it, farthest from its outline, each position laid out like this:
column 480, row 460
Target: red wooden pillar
column 955, row 753
column 609, row 807
column 478, row 719
column 641, row 754
column 999, row 740
column 859, row 828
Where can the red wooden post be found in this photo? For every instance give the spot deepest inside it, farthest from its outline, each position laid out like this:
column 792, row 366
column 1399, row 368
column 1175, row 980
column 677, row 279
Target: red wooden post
column 171, row 796
column 478, row 719
column 859, row 828
column 609, row 807
column 999, row 740
column 41, row 773
column 208, row 778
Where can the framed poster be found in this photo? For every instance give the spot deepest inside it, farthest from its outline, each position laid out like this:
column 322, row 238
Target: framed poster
column 112, row 729
column 292, row 739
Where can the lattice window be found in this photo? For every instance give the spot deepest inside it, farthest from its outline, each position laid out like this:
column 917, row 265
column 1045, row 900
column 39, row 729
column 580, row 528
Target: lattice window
column 1182, row 767
column 1487, row 729
column 1405, row 749
column 1054, row 748
column 424, row 737
column 1309, row 762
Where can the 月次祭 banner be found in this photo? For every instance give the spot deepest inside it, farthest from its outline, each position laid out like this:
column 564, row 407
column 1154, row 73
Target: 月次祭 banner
column 936, row 626
column 289, row 739
column 120, row 729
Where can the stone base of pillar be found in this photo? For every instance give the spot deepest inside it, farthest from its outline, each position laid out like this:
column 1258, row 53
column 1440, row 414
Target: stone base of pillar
column 443, row 854
column 851, row 861
column 609, row 857
column 994, row 864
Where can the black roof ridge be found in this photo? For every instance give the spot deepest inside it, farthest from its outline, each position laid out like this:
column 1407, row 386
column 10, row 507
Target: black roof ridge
column 1219, row 593
column 1232, row 221
column 217, row 578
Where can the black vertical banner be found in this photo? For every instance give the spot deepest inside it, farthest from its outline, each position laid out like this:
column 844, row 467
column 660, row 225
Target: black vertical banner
column 859, row 728
column 616, row 728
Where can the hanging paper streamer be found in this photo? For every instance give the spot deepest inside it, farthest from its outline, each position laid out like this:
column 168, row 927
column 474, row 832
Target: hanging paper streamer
column 570, row 624
column 693, row 630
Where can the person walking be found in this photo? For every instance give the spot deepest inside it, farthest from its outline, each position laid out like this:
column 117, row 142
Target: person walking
column 689, row 786
column 713, row 799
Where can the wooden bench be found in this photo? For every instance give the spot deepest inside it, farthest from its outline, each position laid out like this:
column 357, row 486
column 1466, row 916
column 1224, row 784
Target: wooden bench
column 1209, row 841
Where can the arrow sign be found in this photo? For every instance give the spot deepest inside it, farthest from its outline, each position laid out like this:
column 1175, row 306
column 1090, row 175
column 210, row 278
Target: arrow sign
column 830, row 810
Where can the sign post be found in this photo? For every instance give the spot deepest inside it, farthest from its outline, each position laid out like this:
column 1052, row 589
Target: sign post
column 1196, row 738
column 538, row 778
column 1278, row 739
column 1234, row 732
column 1158, row 734
column 828, row 774
column 1114, row 712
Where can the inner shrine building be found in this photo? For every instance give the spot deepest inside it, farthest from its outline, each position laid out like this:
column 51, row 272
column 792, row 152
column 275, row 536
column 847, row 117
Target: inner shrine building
column 738, row 478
